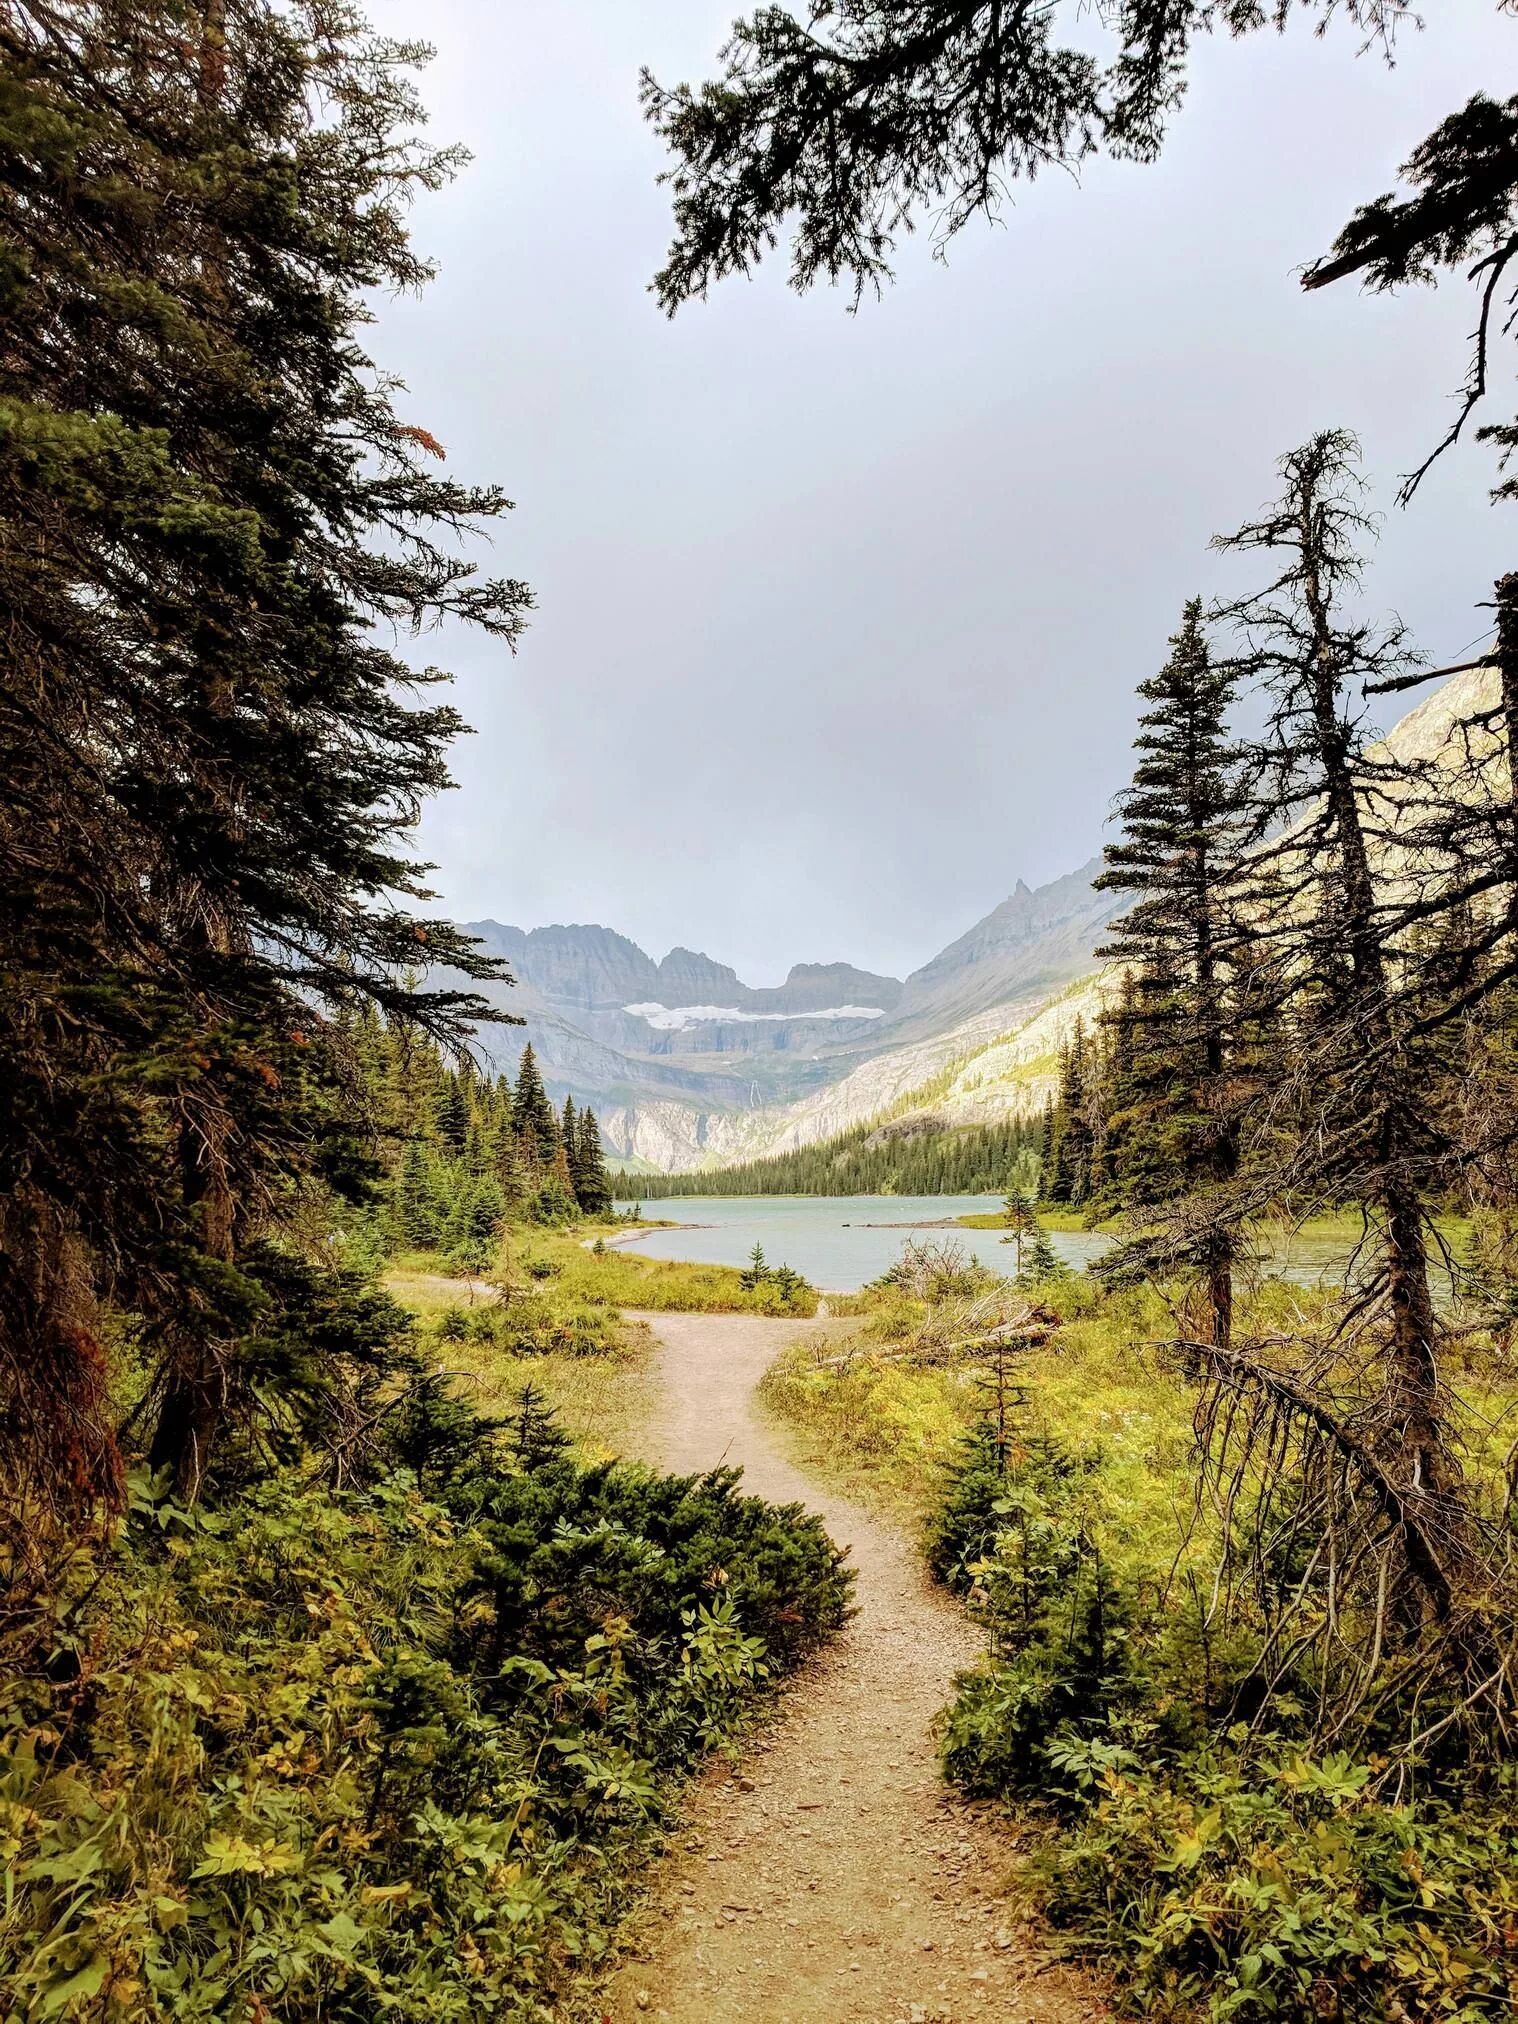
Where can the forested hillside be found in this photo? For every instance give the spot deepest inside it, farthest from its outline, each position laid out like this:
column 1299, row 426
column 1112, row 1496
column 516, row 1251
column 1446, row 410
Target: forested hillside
column 870, row 1160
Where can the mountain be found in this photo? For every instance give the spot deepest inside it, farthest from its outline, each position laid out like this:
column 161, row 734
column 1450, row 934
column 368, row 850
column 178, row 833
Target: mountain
column 686, row 1065
column 1028, row 947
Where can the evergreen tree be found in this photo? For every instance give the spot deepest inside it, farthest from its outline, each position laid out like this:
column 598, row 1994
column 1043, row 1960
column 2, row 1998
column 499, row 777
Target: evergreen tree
column 1460, row 217
column 534, row 1439
column 454, row 1112
column 557, row 1197
column 1022, row 1223
column 1046, row 1137
column 1074, row 1137
column 864, row 1160
column 416, row 1209
column 1169, row 1098
column 845, row 120
column 213, row 514
column 1041, row 1262
column 1367, row 1131
column 592, row 1182
column 504, row 1149
column 532, row 1115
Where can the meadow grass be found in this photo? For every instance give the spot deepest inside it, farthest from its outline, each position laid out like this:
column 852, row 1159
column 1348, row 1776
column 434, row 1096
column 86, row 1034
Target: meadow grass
column 600, row 1397
column 885, row 1426
column 549, row 1313
column 620, row 1276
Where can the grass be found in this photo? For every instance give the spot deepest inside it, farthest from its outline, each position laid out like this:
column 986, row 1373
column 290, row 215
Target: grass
column 884, row 1424
column 549, row 1313
column 599, row 1398
column 878, row 1432
column 657, row 1285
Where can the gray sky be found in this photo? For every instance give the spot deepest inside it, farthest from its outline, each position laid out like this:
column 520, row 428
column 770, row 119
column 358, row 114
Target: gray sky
column 840, row 616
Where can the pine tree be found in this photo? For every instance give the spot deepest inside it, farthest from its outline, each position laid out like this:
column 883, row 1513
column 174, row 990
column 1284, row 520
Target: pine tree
column 592, row 1182
column 532, row 1115
column 846, row 122
column 1021, row 1219
column 1041, row 1262
column 534, row 1438
column 1046, row 1149
column 416, row 1211
column 452, row 1113
column 1170, row 1132
column 213, row 515
column 1367, row 1131
column 1074, row 1138
column 504, row 1150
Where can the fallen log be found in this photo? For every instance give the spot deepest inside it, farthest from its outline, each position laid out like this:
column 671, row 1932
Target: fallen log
column 1026, row 1331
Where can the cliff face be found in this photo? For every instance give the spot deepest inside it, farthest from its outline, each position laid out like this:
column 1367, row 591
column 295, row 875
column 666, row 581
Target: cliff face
column 1029, row 946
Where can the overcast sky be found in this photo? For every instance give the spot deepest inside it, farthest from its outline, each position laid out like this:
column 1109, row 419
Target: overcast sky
column 839, row 617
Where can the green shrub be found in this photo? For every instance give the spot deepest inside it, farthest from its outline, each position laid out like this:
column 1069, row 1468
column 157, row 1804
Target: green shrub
column 1231, row 1886
column 385, row 1752
column 1217, row 1876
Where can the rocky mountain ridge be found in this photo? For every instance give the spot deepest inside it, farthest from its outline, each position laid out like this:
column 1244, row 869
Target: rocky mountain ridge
column 686, row 1065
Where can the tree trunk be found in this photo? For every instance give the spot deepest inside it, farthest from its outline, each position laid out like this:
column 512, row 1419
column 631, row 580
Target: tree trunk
column 1507, row 667
column 1411, row 1381
column 197, row 1388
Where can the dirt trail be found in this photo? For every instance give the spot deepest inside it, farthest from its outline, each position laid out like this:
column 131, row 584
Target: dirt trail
column 833, row 1878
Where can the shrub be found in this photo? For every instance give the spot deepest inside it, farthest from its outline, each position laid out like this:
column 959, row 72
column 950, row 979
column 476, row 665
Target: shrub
column 382, row 1752
column 933, row 1270
column 1217, row 1875
column 1231, row 1885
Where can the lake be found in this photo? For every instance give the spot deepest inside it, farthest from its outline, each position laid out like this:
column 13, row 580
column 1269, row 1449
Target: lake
column 841, row 1242
column 827, row 1238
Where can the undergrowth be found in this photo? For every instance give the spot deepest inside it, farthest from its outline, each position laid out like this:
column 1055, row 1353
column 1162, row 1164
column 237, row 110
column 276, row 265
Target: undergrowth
column 385, row 1744
column 1218, row 1860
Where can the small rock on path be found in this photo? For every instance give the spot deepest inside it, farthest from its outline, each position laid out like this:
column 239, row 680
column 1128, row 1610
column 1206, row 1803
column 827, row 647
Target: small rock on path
column 833, row 1879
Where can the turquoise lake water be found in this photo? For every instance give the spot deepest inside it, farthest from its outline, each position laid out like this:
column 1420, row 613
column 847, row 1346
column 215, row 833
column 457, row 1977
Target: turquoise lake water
column 841, row 1242
column 828, row 1238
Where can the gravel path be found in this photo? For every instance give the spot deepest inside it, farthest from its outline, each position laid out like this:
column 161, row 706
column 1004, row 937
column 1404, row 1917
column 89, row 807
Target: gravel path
column 832, row 1877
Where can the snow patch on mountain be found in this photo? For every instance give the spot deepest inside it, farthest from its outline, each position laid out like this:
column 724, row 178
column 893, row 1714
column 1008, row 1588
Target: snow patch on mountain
column 675, row 1018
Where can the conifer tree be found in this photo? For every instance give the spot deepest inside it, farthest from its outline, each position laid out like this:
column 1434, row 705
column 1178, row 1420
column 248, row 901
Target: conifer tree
column 532, row 1115
column 845, row 120
column 214, row 512
column 416, row 1212
column 1046, row 1149
column 1040, row 1262
column 1074, row 1139
column 1320, row 922
column 592, row 1182
column 1021, row 1219
column 1169, row 1100
column 453, row 1112
column 504, row 1150
column 557, row 1196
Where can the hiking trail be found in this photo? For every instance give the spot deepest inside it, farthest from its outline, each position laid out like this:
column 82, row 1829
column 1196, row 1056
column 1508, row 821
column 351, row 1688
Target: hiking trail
column 832, row 1878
